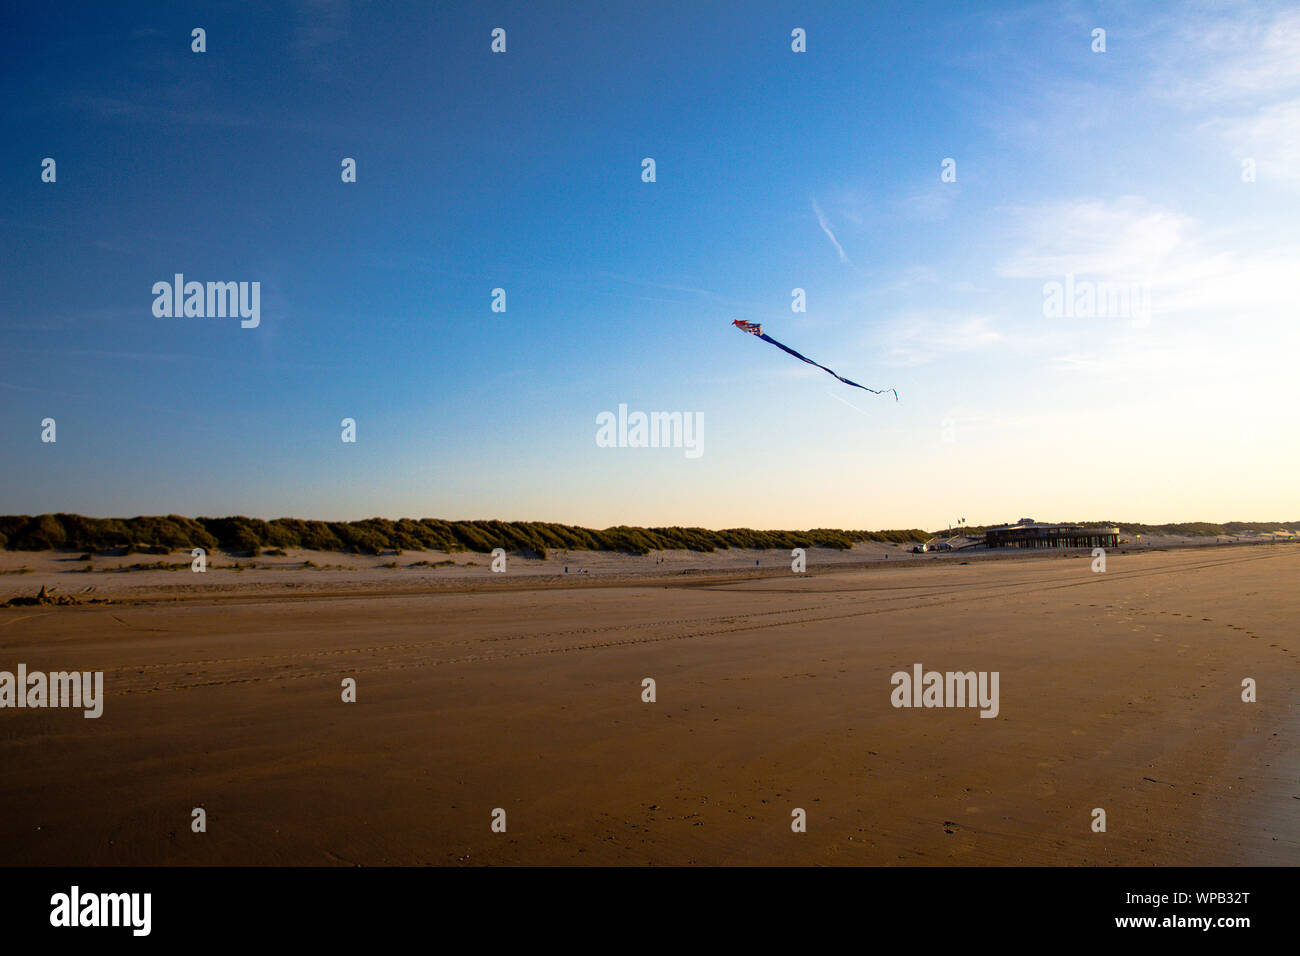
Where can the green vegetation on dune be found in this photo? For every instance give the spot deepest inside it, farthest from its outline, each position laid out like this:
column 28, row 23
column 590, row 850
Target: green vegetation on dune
column 1195, row 529
column 378, row 535
column 1202, row 529
column 1191, row 529
column 159, row 535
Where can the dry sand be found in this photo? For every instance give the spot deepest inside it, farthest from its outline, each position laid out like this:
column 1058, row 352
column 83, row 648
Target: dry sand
column 1119, row 690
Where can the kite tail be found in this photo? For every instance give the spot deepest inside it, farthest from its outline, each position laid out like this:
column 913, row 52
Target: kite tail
column 803, row 358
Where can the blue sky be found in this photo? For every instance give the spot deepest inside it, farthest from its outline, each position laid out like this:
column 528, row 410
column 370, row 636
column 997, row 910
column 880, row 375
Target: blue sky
column 775, row 170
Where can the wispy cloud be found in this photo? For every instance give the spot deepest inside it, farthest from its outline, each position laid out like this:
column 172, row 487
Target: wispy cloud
column 921, row 336
column 1230, row 57
column 321, row 25
column 1189, row 268
column 1246, row 74
column 1223, row 297
column 826, row 228
column 930, row 203
column 1122, row 238
column 115, row 108
column 1269, row 135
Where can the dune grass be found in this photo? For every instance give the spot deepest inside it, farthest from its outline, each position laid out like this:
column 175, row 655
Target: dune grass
column 253, row 536
column 240, row 535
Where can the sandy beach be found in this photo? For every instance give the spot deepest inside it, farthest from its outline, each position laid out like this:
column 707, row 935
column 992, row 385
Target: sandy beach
column 1118, row 690
column 138, row 576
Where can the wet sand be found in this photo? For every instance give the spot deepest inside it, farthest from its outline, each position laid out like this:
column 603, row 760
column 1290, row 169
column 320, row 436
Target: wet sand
column 1119, row 690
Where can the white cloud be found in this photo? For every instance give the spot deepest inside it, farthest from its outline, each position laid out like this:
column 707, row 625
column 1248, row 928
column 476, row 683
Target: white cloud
column 821, row 221
column 1270, row 136
column 1126, row 239
column 1190, row 270
column 1243, row 76
column 1235, row 57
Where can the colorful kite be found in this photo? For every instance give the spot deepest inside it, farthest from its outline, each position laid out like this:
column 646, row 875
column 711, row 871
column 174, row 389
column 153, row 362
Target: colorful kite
column 753, row 328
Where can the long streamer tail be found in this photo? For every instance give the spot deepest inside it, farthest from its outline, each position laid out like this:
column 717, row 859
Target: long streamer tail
column 755, row 329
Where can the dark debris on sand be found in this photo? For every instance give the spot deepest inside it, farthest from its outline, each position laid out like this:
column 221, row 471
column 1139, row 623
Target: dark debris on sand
column 47, row 598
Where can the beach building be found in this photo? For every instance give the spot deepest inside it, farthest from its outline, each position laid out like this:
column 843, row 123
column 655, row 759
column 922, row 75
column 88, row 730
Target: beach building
column 1027, row 533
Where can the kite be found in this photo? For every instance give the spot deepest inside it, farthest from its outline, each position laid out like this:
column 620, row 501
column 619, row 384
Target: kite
column 753, row 328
